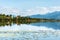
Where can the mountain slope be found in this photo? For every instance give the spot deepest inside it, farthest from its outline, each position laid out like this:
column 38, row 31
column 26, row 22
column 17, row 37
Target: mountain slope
column 53, row 15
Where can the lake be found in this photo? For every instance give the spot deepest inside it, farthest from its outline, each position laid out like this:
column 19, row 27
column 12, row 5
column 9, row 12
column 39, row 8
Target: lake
column 32, row 31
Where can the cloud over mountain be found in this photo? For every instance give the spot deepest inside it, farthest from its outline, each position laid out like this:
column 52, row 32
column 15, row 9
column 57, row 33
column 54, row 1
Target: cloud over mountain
column 28, row 12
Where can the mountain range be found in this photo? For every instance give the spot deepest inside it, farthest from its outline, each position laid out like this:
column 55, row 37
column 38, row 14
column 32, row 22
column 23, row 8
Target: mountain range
column 53, row 15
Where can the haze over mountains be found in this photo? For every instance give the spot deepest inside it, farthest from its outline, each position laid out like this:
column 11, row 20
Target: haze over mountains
column 53, row 15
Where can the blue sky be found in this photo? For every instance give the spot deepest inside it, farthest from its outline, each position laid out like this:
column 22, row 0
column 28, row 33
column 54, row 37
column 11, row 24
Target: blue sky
column 24, row 5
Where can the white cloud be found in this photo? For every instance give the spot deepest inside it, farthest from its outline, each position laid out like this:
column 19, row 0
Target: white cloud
column 41, row 10
column 27, row 12
column 12, row 11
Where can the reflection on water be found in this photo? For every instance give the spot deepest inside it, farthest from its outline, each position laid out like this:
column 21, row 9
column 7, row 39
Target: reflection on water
column 41, row 35
column 30, row 31
column 54, row 25
column 8, row 23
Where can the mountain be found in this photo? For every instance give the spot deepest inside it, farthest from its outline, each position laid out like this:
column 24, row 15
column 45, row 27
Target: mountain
column 53, row 15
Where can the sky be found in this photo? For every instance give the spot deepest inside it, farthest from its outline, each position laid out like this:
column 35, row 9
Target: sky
column 29, row 7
